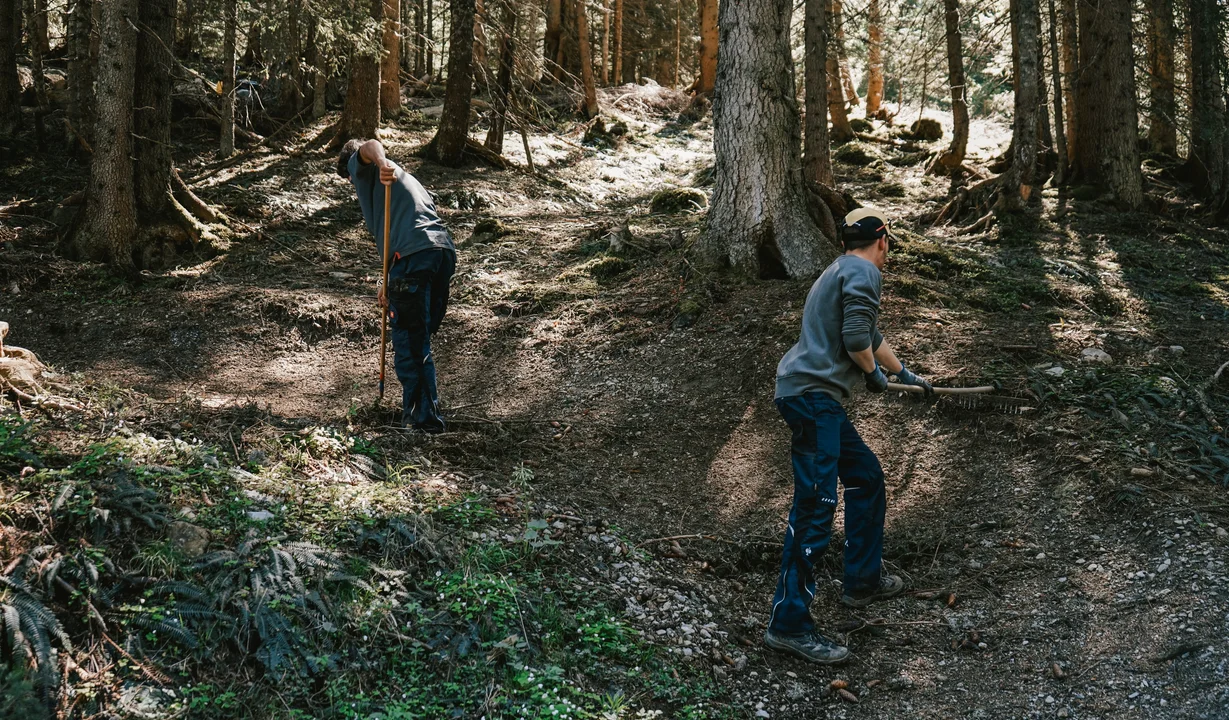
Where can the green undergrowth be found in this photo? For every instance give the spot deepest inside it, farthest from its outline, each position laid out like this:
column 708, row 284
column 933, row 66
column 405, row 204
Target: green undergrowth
column 319, row 577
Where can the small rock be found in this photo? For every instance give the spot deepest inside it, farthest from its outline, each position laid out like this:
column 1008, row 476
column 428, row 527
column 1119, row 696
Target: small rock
column 260, row 515
column 1056, row 371
column 341, row 275
column 190, row 539
column 1222, row 533
column 901, row 682
column 1041, row 556
column 1095, row 355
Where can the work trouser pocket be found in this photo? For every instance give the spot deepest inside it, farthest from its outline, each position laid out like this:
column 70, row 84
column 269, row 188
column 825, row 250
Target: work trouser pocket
column 407, row 302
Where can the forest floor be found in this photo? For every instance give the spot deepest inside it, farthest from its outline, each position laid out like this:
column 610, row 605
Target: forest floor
column 1066, row 562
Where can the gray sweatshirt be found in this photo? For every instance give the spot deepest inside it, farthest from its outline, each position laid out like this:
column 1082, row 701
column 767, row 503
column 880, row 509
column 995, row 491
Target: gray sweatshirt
column 840, row 315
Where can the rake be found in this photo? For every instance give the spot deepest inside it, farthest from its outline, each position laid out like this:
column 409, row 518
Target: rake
column 972, row 398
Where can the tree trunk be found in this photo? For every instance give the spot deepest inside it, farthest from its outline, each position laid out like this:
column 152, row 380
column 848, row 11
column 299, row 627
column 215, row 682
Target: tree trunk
column 874, row 58
column 605, row 62
column 390, row 63
column 954, row 157
column 108, row 223
column 420, row 44
column 1060, row 135
column 1107, row 124
column 842, row 131
column 292, row 93
column 502, row 97
column 480, row 64
column 1162, row 110
column 838, row 29
column 80, row 70
column 185, row 38
column 1070, row 66
column 360, row 117
column 759, row 220
column 817, row 155
column 230, row 20
column 589, row 107
column 618, row 42
column 38, row 44
column 41, row 39
column 552, row 43
column 1027, row 25
column 10, row 88
column 152, row 110
column 429, row 41
column 320, row 72
column 1208, row 163
column 448, row 145
column 708, row 47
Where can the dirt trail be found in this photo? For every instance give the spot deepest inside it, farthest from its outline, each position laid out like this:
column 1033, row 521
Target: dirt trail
column 1066, row 587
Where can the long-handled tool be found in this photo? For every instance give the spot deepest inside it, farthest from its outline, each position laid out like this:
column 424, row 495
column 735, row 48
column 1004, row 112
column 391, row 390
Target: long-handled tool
column 971, row 397
column 388, row 203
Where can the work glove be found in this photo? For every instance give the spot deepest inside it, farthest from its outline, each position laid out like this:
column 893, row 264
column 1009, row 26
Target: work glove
column 876, row 381
column 906, row 377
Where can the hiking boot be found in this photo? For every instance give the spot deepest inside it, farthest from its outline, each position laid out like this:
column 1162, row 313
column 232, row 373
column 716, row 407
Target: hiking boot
column 810, row 646
column 889, row 587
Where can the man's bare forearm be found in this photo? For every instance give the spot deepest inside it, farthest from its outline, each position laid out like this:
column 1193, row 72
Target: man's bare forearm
column 883, row 355
column 371, row 151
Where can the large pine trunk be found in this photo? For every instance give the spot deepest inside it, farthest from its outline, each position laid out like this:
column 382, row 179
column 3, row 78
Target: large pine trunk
column 1070, row 67
column 1162, row 127
column 390, row 64
column 108, row 224
column 1060, row 133
column 842, row 130
column 152, row 110
column 448, row 145
column 708, row 47
column 874, row 58
column 502, row 97
column 954, row 157
column 817, row 154
column 1208, row 163
column 837, row 23
column 1107, row 126
column 230, row 21
column 10, row 88
column 589, row 104
column 552, row 43
column 80, row 70
column 759, row 221
column 1026, row 24
column 618, row 42
column 360, row 117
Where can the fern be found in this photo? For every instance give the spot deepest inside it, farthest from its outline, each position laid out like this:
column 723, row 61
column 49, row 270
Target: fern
column 29, row 629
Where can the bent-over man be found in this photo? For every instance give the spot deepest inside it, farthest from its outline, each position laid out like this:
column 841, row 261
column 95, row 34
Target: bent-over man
column 421, row 261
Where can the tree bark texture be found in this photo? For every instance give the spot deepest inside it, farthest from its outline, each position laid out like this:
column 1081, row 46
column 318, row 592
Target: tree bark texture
column 817, row 153
column 10, row 88
column 954, row 157
column 605, row 61
column 837, row 23
column 501, row 99
column 874, row 58
column 108, row 224
column 390, row 63
column 420, row 43
column 1208, row 163
column 1070, row 66
column 1162, row 110
column 1107, row 124
column 759, row 220
column 1026, row 21
column 589, row 104
column 1060, row 134
column 39, row 28
column 152, row 110
column 429, row 42
column 480, row 39
column 38, row 50
column 552, row 43
column 708, row 47
column 230, row 21
column 842, row 130
column 360, row 117
column 618, row 42
column 80, row 69
column 448, row 145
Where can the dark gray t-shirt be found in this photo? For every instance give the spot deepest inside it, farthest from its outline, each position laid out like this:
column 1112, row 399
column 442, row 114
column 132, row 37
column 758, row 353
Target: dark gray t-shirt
column 841, row 314
column 414, row 226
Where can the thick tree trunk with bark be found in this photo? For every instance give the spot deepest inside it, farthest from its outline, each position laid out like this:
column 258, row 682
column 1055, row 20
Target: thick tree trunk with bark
column 360, row 117
column 708, row 47
column 837, row 23
column 448, row 145
column 605, row 61
column 10, row 88
column 552, row 43
column 390, row 64
column 589, row 104
column 874, row 58
column 152, row 110
column 1060, row 134
column 480, row 64
column 502, row 97
column 1208, row 163
column 292, row 91
column 842, row 130
column 1026, row 22
column 108, row 224
column 759, row 220
column 429, row 35
column 80, row 71
column 38, row 50
column 1070, row 67
column 817, row 153
column 230, row 22
column 320, row 72
column 1107, row 124
column 1162, row 110
column 618, row 42
column 953, row 159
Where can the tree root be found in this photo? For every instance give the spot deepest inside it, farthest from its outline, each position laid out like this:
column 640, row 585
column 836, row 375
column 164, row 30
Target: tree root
column 24, row 377
column 825, row 205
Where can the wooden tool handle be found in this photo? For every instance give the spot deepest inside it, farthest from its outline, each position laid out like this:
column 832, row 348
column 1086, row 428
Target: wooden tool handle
column 897, row 387
column 388, row 202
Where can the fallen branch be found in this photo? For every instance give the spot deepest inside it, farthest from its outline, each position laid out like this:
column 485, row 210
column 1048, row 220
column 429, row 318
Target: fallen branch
column 713, row 538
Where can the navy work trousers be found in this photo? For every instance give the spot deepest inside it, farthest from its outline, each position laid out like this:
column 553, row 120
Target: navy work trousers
column 417, row 301
column 826, row 447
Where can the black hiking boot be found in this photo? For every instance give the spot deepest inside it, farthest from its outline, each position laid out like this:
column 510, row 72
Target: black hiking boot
column 810, row 646
column 889, row 587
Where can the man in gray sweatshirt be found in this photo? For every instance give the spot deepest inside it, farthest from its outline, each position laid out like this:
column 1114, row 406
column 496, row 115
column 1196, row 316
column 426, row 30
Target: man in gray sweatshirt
column 840, row 344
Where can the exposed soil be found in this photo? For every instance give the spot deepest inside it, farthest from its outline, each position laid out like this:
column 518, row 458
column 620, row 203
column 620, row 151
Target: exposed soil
column 1065, row 562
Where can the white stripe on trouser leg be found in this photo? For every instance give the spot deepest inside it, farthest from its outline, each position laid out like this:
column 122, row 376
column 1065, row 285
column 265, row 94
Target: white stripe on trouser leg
column 773, row 615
